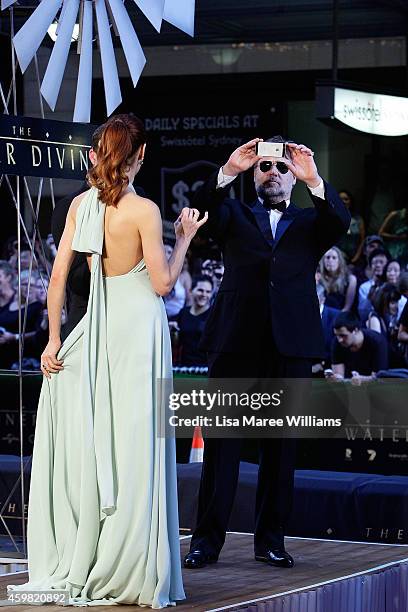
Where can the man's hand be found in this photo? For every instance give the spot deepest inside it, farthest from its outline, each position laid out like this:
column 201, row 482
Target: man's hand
column 357, row 379
column 302, row 164
column 242, row 158
column 333, row 376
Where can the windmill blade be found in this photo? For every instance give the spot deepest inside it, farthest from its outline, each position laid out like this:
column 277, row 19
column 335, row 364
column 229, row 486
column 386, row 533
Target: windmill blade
column 82, row 111
column 131, row 46
column 180, row 13
column 6, row 3
column 61, row 16
column 56, row 66
column 31, row 34
column 109, row 69
column 153, row 10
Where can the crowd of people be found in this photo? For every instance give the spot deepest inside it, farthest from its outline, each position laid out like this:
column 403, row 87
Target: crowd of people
column 361, row 283
column 363, row 293
column 28, row 313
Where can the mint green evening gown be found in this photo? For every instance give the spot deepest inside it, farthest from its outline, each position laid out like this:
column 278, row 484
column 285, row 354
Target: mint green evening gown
column 103, row 517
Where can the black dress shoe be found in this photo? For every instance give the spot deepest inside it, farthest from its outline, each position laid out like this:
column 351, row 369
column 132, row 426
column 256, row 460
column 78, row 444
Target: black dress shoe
column 277, row 557
column 197, row 558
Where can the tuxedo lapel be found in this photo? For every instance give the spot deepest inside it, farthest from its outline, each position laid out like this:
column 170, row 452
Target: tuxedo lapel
column 262, row 219
column 285, row 222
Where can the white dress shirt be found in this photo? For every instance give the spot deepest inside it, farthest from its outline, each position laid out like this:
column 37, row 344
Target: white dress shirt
column 274, row 215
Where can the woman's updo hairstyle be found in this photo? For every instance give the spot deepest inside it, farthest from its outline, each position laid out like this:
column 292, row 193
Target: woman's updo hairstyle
column 120, row 139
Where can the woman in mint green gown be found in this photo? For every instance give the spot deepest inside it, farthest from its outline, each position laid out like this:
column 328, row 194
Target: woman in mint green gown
column 103, row 517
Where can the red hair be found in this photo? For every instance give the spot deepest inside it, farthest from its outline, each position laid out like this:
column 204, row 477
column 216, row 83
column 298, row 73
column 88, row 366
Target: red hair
column 121, row 138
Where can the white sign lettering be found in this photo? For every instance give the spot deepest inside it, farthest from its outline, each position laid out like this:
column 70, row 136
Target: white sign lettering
column 373, row 113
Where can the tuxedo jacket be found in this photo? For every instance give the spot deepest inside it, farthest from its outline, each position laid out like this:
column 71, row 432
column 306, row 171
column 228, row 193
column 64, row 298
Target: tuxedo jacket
column 269, row 283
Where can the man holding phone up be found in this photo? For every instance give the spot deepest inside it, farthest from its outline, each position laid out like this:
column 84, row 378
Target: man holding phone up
column 265, row 323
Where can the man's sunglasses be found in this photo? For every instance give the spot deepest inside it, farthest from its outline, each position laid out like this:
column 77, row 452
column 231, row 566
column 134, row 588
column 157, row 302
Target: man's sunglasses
column 281, row 167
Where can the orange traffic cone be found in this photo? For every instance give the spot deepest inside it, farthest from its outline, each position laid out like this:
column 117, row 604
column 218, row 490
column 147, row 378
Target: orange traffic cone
column 197, row 447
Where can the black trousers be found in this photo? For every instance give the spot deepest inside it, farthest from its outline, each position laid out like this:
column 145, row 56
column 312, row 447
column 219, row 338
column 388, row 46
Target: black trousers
column 220, row 471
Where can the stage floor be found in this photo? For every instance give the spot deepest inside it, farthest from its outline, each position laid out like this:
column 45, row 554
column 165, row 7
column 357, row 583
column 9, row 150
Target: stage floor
column 238, row 579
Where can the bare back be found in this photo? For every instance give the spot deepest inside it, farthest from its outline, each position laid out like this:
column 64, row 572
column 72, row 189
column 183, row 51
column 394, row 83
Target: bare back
column 122, row 249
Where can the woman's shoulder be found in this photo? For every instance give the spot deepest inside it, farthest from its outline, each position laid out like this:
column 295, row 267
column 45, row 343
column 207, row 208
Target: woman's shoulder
column 138, row 205
column 76, row 203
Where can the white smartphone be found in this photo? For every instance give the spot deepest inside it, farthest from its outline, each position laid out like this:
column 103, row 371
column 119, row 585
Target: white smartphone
column 270, row 149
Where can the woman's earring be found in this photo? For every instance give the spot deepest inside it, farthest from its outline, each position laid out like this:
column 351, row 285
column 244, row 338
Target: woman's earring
column 140, row 162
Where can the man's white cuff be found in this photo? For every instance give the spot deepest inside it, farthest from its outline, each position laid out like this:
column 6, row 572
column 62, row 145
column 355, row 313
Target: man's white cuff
column 224, row 179
column 318, row 191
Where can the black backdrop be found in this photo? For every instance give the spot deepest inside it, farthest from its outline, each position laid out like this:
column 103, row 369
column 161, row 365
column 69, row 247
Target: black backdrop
column 173, row 168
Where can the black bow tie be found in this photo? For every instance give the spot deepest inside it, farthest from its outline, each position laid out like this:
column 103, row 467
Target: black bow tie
column 279, row 206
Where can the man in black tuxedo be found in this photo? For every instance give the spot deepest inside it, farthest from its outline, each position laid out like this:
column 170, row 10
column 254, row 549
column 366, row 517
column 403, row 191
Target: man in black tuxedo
column 265, row 323
column 79, row 276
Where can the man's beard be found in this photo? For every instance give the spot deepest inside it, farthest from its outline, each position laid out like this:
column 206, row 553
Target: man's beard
column 270, row 192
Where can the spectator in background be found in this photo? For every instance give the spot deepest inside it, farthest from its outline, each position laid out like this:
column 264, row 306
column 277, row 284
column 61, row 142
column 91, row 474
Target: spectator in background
column 356, row 353
column 9, row 248
column 392, row 272
column 340, row 285
column 377, row 260
column 41, row 287
column 352, row 243
column 403, row 284
column 384, row 319
column 403, row 320
column 39, row 260
column 328, row 316
column 31, row 313
column 214, row 269
column 7, row 291
column 403, row 335
column 191, row 321
column 394, row 231
column 185, row 278
column 7, row 296
column 28, row 288
column 177, row 297
column 25, row 258
column 362, row 268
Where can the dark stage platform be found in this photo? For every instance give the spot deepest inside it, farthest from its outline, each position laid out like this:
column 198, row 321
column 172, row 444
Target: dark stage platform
column 327, row 505
column 328, row 577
